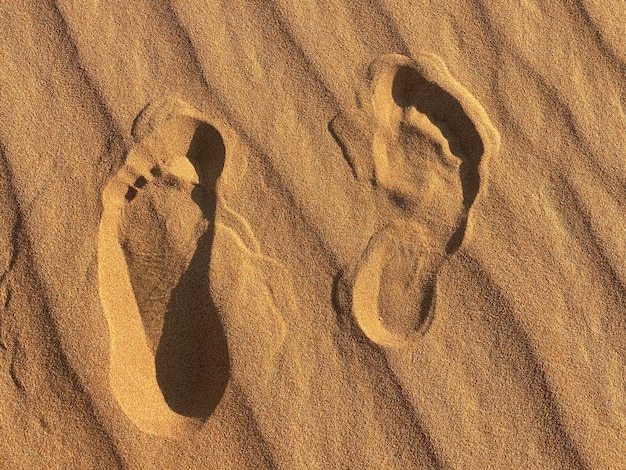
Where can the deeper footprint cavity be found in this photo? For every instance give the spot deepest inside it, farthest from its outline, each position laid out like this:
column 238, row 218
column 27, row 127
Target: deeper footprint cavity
column 169, row 362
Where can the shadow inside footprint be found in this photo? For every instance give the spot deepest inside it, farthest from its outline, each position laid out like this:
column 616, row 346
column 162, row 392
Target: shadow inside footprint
column 410, row 88
column 192, row 364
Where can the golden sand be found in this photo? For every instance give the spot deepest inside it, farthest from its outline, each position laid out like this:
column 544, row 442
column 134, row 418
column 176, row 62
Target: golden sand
column 313, row 235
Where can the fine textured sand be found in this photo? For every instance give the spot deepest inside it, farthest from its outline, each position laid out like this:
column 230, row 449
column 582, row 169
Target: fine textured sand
column 313, row 235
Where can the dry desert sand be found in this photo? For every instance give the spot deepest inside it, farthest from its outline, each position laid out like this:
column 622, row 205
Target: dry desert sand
column 313, row 235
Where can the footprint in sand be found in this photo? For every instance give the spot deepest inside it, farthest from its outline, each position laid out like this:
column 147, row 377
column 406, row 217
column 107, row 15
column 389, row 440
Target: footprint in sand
column 169, row 362
column 421, row 141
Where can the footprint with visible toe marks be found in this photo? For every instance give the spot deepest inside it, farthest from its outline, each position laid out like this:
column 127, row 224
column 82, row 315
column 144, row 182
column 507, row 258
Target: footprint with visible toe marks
column 421, row 141
column 186, row 290
column 169, row 362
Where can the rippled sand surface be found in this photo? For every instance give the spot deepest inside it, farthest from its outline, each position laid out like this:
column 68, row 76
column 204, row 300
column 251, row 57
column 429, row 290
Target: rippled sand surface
column 313, row 235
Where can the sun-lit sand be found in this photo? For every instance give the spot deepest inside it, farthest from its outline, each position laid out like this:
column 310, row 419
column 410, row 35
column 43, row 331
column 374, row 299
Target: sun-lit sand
column 313, row 235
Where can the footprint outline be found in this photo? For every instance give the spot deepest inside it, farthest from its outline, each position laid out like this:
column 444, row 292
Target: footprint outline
column 137, row 389
column 379, row 110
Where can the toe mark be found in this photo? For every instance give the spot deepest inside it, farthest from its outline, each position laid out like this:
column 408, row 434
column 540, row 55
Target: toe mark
column 131, row 193
column 156, row 172
column 140, row 182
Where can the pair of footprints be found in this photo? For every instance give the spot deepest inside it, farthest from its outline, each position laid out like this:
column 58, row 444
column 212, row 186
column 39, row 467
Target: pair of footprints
column 419, row 142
